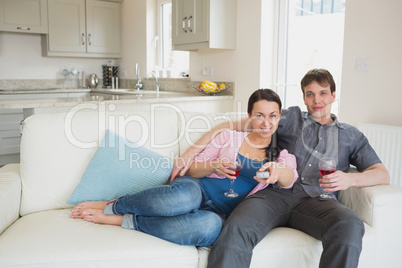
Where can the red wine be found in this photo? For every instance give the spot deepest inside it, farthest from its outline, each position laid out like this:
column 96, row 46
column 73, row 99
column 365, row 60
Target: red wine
column 237, row 172
column 324, row 172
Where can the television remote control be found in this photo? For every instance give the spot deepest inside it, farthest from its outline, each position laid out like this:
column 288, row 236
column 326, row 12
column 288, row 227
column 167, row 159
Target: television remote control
column 263, row 174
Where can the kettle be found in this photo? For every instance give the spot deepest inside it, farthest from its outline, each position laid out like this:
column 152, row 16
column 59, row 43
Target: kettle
column 93, row 80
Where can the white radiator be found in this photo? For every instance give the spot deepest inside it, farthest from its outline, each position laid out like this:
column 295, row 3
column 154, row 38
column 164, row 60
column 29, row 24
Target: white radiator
column 387, row 142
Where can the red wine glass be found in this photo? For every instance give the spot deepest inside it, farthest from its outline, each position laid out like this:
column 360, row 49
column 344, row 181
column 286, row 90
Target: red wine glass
column 327, row 166
column 237, row 169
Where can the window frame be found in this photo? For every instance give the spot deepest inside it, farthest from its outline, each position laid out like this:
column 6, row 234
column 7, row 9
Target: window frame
column 176, row 57
column 159, row 31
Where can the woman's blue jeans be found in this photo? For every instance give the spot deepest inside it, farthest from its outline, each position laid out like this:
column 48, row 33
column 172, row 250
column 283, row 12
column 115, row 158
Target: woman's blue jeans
column 180, row 212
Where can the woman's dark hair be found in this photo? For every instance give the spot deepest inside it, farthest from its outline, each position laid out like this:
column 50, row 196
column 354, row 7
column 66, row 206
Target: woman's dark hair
column 272, row 151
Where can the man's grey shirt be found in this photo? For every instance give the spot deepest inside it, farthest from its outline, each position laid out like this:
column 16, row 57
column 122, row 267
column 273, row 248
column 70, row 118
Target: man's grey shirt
column 309, row 141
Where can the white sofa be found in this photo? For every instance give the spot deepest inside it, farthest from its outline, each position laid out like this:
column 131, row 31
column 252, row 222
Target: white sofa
column 36, row 230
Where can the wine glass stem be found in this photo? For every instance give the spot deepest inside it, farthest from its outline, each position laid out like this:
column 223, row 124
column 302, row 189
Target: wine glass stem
column 231, row 186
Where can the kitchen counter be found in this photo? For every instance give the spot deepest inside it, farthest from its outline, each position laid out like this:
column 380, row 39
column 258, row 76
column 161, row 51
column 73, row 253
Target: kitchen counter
column 10, row 99
column 19, row 103
column 4, row 92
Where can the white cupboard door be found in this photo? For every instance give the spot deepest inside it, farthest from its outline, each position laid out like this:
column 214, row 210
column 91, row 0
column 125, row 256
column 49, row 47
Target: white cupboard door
column 180, row 15
column 67, row 26
column 103, row 27
column 23, row 16
column 198, row 23
column 10, row 137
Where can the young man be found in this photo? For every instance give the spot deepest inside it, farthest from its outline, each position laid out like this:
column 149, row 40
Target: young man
column 309, row 136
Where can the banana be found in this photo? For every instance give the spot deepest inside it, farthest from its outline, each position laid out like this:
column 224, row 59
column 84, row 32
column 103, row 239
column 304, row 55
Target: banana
column 209, row 86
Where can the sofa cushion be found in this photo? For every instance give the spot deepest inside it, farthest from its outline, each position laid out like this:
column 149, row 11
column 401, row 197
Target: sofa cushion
column 57, row 148
column 10, row 194
column 120, row 167
column 53, row 239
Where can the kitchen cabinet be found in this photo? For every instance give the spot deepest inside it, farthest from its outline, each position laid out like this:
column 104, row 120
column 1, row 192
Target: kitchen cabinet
column 200, row 24
column 29, row 16
column 83, row 28
column 10, row 136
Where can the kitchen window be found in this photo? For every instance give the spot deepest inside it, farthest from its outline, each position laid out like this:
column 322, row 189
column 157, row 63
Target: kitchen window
column 310, row 7
column 172, row 63
column 310, row 35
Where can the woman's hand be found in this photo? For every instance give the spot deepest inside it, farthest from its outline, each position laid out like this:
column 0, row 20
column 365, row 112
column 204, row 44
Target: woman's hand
column 224, row 168
column 182, row 164
column 279, row 173
column 219, row 167
column 274, row 172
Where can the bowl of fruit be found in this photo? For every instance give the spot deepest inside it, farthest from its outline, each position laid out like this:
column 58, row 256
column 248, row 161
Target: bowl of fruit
column 210, row 88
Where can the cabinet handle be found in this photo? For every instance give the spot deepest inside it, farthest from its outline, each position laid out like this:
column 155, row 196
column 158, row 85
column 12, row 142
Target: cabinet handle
column 83, row 39
column 89, row 39
column 189, row 23
column 22, row 124
column 184, row 24
column 24, row 28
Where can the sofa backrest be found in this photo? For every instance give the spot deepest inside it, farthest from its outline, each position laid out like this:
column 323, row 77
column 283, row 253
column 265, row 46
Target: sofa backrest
column 56, row 148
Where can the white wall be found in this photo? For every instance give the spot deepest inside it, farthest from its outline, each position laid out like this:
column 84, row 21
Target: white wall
column 21, row 58
column 242, row 65
column 21, row 55
column 372, row 31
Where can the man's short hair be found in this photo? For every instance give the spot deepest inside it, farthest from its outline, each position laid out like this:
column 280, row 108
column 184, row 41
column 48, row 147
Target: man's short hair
column 322, row 76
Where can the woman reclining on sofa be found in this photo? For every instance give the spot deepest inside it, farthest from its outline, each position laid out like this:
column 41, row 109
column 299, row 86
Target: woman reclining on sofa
column 192, row 209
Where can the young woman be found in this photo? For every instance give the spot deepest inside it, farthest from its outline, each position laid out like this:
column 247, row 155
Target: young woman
column 192, row 209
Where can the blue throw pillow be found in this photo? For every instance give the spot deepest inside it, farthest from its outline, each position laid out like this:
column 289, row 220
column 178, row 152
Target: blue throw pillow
column 120, row 167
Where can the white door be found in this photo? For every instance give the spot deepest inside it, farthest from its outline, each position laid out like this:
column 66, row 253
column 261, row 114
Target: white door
column 180, row 10
column 103, row 27
column 67, row 25
column 198, row 21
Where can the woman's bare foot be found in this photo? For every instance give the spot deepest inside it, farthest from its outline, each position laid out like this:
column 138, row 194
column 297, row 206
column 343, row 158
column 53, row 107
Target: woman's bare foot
column 76, row 212
column 97, row 216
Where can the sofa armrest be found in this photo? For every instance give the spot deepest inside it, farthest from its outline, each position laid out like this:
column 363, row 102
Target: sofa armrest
column 10, row 195
column 375, row 202
column 380, row 207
